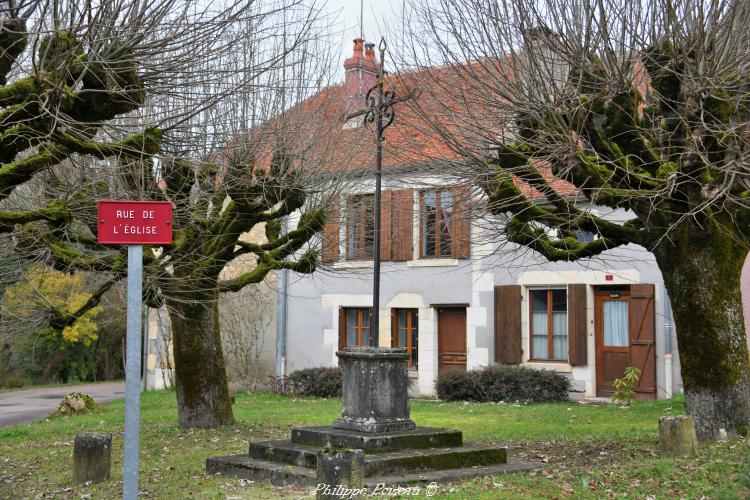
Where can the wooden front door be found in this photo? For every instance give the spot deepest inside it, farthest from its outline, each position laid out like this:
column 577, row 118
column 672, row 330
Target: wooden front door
column 643, row 338
column 611, row 328
column 451, row 339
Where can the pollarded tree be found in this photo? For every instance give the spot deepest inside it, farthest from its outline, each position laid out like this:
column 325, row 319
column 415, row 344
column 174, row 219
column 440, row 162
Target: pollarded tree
column 207, row 237
column 73, row 77
column 643, row 106
column 170, row 63
column 215, row 203
column 57, row 108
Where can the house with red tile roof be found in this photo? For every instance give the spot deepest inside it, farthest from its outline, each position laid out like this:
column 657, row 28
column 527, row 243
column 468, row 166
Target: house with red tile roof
column 453, row 292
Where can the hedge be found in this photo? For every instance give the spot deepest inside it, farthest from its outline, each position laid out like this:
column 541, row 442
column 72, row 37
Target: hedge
column 503, row 383
column 322, row 382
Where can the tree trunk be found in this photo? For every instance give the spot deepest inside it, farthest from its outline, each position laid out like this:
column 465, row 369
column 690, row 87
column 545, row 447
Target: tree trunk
column 201, row 379
column 53, row 364
column 702, row 276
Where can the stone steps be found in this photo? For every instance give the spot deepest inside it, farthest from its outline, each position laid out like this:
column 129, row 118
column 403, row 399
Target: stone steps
column 384, row 445
column 244, row 467
column 284, row 452
column 376, row 442
column 433, row 459
column 447, row 475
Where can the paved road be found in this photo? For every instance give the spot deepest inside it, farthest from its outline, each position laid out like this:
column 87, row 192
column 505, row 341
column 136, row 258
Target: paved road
column 27, row 405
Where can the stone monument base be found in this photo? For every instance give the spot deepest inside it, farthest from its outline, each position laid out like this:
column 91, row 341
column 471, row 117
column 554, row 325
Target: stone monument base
column 420, row 455
column 374, row 419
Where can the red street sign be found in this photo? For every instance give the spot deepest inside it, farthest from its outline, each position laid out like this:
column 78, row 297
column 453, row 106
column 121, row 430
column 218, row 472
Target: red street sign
column 135, row 222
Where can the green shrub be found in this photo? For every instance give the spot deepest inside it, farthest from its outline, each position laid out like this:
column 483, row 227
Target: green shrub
column 322, row 382
column 503, row 383
column 14, row 380
column 625, row 386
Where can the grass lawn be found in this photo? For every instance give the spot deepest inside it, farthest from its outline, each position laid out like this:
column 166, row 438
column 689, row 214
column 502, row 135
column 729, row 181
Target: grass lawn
column 590, row 451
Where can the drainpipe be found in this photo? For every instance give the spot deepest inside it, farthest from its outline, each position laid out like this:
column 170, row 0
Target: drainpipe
column 667, row 322
column 668, row 361
column 281, row 316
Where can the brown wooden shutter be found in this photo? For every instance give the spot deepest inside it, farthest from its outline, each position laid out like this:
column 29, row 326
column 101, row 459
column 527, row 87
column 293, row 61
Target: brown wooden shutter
column 402, row 224
column 331, row 234
column 641, row 322
column 577, row 325
column 342, row 330
column 386, row 230
column 394, row 328
column 508, row 324
column 461, row 241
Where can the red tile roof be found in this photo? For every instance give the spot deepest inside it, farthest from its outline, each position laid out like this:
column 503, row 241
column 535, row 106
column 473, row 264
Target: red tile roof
column 319, row 134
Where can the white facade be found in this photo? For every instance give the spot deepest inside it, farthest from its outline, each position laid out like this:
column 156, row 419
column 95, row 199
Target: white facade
column 425, row 284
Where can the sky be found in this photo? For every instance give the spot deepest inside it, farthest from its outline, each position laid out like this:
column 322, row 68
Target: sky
column 377, row 13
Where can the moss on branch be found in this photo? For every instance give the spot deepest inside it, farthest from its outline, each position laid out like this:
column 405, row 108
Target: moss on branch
column 55, row 212
column 566, row 249
column 145, row 143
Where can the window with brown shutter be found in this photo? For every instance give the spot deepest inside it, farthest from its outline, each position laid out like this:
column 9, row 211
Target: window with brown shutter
column 444, row 227
column 330, row 250
column 461, row 223
column 402, row 224
column 354, row 326
column 386, row 225
column 548, row 324
column 404, row 333
column 577, row 325
column 508, row 324
column 396, row 212
column 360, row 226
column 436, row 223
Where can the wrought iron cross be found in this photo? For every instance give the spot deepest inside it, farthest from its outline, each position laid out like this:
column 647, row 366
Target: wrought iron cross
column 379, row 110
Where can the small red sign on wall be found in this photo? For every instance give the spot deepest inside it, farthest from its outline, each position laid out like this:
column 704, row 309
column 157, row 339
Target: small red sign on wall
column 134, row 222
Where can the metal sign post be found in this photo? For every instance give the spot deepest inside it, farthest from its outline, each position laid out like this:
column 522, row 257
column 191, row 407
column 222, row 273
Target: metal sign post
column 133, row 373
column 133, row 223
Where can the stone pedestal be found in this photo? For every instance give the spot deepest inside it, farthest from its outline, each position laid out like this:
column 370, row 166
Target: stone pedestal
column 374, row 393
column 92, row 456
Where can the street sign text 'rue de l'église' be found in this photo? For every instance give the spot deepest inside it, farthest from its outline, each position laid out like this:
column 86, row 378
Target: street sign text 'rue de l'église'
column 133, row 223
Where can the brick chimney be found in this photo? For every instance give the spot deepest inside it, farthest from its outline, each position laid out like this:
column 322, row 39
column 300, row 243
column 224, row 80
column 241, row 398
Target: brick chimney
column 361, row 73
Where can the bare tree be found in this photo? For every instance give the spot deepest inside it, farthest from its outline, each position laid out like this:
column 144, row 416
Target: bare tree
column 245, row 319
column 202, row 84
column 643, row 106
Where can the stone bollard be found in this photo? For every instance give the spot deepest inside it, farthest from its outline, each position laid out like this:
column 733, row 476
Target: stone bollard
column 340, row 473
column 92, row 456
column 677, row 435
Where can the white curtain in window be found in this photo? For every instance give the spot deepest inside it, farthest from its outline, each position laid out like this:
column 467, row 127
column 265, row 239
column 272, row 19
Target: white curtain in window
column 351, row 327
column 615, row 323
column 539, row 327
column 560, row 335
